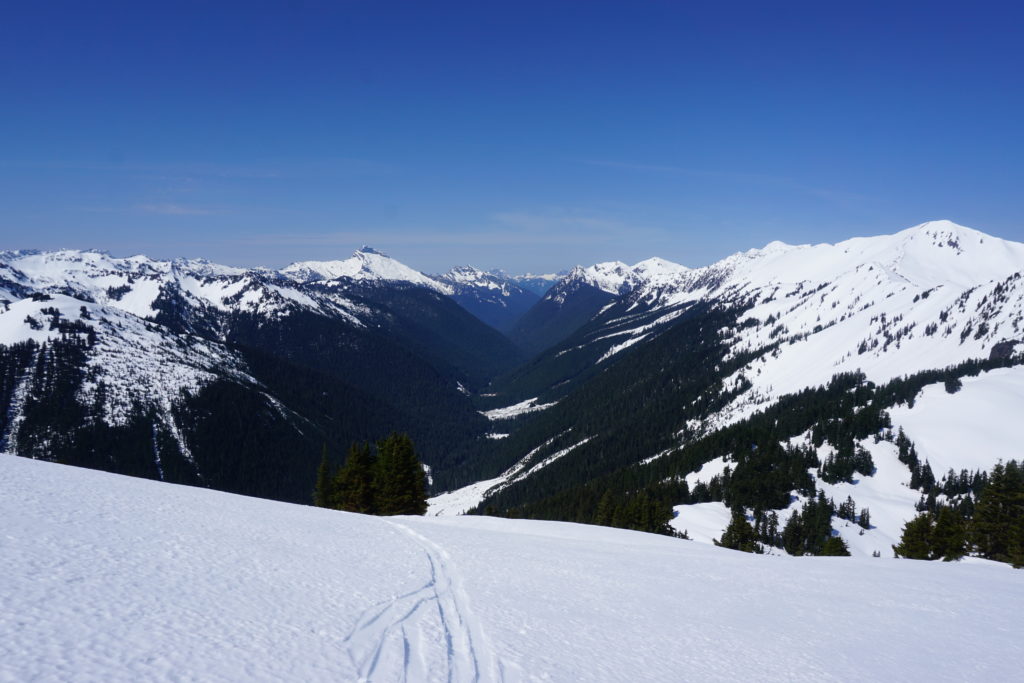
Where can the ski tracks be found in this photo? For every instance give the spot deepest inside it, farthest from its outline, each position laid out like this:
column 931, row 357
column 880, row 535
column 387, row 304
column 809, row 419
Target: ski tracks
column 428, row 634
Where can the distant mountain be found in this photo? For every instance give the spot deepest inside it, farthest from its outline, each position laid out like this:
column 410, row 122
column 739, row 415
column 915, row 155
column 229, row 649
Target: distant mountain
column 581, row 294
column 365, row 265
column 538, row 284
column 496, row 300
column 491, row 297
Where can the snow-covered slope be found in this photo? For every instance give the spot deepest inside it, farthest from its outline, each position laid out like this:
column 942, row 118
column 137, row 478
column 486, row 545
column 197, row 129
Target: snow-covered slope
column 926, row 297
column 151, row 332
column 135, row 362
column 120, row 579
column 366, row 264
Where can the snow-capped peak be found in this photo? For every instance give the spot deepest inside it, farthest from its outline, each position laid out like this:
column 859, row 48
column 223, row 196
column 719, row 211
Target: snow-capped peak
column 469, row 275
column 618, row 278
column 614, row 277
column 366, row 264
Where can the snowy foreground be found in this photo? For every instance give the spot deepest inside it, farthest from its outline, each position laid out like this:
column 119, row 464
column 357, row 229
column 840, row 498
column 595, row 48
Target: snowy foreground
column 111, row 578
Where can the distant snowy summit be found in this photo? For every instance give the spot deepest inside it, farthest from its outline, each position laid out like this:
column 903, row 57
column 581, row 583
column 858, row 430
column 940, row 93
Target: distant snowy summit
column 497, row 300
column 366, row 264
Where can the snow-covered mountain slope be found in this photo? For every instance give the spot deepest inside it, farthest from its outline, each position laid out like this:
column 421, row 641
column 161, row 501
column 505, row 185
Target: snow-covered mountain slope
column 926, row 297
column 365, row 265
column 119, row 579
column 140, row 353
column 133, row 360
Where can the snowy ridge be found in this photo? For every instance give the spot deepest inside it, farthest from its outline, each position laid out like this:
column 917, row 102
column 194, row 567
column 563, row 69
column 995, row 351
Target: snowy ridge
column 95, row 564
column 879, row 305
column 474, row 277
column 617, row 278
column 926, row 297
column 138, row 284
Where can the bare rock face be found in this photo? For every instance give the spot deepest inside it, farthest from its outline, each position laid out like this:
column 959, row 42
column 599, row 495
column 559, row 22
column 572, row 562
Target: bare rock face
column 1003, row 350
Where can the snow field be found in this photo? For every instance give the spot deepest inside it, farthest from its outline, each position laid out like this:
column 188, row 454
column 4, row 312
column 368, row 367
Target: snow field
column 116, row 579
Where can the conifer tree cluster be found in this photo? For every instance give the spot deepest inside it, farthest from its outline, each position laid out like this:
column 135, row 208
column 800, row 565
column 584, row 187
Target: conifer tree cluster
column 808, row 531
column 849, row 458
column 389, row 481
column 739, row 535
column 992, row 528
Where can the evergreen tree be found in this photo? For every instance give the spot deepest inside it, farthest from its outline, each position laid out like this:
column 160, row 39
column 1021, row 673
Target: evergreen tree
column 793, row 534
column 835, row 546
column 916, row 540
column 355, row 486
column 998, row 520
column 864, row 520
column 739, row 535
column 949, row 536
column 400, row 481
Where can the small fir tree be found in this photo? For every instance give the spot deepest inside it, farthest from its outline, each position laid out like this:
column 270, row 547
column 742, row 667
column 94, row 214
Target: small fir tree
column 916, row 540
column 835, row 546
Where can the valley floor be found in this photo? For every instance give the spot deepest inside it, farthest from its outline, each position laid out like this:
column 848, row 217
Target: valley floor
column 111, row 578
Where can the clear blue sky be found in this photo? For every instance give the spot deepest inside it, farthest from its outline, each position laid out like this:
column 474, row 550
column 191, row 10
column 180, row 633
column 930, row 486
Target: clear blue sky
column 524, row 135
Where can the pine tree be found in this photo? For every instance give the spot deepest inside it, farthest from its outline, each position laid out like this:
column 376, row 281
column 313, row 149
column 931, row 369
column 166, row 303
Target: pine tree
column 916, row 540
column 864, row 520
column 793, row 534
column 835, row 546
column 739, row 535
column 354, row 487
column 949, row 536
column 400, row 482
column 999, row 514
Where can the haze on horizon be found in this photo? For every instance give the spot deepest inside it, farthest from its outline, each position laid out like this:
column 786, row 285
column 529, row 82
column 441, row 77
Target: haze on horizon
column 528, row 136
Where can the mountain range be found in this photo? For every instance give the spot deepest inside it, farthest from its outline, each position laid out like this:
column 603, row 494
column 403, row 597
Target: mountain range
column 693, row 387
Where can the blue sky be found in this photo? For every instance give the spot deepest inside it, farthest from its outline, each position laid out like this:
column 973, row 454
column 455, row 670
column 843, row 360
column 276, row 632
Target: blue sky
column 523, row 135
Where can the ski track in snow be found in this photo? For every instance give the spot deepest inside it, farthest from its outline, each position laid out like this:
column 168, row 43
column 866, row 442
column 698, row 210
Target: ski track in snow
column 113, row 578
column 394, row 639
